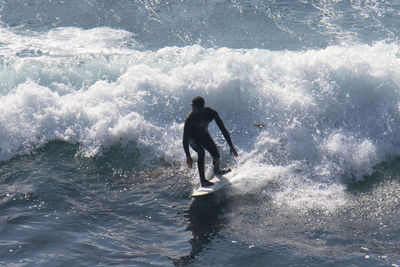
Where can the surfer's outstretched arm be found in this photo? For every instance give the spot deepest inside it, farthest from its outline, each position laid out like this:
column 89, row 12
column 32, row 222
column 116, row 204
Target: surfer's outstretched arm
column 226, row 134
column 185, row 142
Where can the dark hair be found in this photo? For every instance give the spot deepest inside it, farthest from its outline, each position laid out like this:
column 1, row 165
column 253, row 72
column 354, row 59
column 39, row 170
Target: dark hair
column 198, row 102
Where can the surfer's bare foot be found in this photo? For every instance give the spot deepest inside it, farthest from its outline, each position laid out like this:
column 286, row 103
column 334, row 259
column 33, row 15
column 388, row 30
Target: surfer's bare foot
column 206, row 183
column 222, row 171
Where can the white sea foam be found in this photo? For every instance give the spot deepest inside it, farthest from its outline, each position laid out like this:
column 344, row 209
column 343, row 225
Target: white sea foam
column 329, row 115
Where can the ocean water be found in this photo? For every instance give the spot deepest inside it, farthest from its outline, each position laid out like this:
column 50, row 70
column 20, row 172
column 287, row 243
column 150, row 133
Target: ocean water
column 93, row 97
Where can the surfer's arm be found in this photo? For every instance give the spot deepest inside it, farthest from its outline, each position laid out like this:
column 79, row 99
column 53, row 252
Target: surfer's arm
column 224, row 131
column 185, row 140
column 226, row 134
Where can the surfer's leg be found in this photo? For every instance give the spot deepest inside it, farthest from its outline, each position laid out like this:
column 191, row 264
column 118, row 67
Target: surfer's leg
column 200, row 163
column 210, row 146
column 217, row 169
column 216, row 164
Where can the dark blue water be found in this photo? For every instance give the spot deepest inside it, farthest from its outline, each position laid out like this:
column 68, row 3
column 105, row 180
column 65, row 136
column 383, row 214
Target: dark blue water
column 93, row 96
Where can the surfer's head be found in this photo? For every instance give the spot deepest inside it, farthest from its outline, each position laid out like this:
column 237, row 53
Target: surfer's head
column 198, row 102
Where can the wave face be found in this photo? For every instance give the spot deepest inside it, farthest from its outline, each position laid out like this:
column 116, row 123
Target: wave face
column 328, row 115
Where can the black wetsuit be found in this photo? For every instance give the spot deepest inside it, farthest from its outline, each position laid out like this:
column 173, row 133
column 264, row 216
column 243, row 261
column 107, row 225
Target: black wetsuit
column 196, row 134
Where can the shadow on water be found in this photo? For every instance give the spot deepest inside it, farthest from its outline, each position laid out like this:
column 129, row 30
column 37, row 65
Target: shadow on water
column 205, row 221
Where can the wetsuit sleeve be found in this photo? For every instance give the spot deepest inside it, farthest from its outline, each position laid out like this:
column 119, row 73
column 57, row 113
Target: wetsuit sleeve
column 224, row 131
column 186, row 139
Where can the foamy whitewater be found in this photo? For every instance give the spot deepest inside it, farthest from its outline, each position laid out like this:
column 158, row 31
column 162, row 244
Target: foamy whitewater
column 93, row 97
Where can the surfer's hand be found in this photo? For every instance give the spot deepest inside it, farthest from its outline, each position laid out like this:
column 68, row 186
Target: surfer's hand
column 233, row 151
column 189, row 162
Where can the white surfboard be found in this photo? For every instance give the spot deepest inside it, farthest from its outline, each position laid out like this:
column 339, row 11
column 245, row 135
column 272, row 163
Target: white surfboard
column 219, row 182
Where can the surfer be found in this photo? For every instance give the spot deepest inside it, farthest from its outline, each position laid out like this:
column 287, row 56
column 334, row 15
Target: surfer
column 196, row 134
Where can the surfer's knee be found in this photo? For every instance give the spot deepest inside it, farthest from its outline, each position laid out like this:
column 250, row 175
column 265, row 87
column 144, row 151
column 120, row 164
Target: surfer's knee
column 201, row 153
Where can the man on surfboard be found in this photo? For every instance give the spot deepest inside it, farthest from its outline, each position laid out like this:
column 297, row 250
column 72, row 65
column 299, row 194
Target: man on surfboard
column 196, row 134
